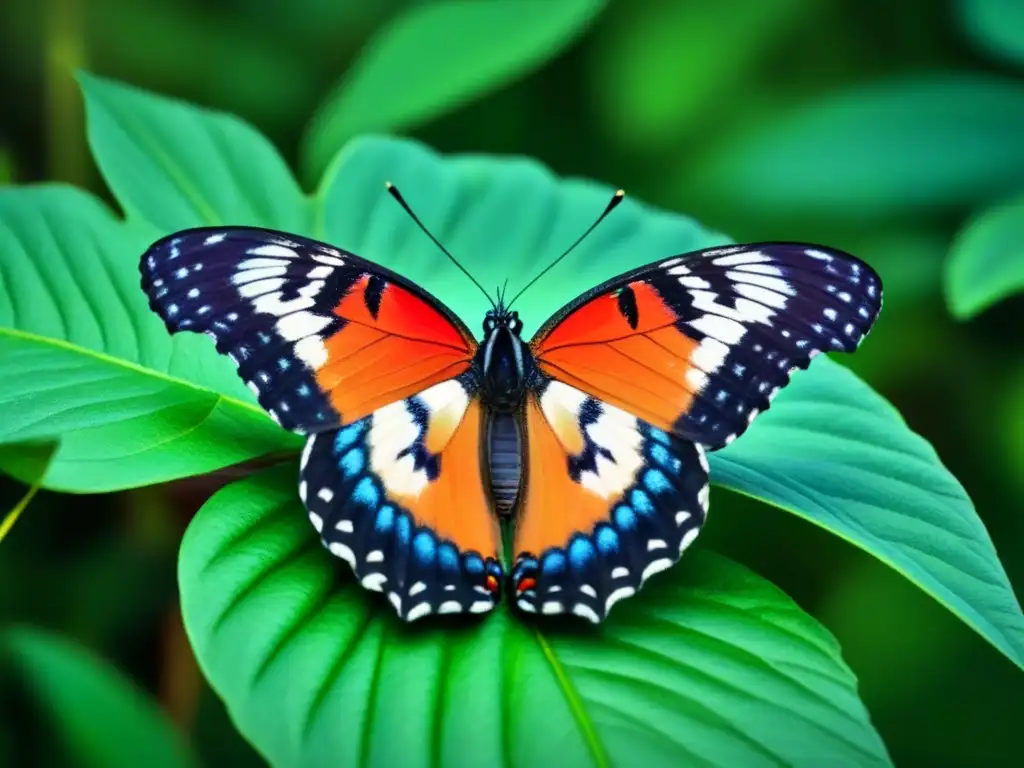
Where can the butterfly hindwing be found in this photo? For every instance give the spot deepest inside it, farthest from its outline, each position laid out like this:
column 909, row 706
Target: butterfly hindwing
column 400, row 496
column 321, row 336
column 610, row 500
column 698, row 345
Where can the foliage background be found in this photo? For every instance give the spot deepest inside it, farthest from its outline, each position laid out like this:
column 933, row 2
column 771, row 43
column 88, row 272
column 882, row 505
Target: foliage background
column 693, row 106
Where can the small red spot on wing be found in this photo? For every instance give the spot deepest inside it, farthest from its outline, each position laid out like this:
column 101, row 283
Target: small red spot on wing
column 526, row 584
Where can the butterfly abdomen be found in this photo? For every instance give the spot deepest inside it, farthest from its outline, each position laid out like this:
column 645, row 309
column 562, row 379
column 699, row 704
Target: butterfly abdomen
column 504, row 460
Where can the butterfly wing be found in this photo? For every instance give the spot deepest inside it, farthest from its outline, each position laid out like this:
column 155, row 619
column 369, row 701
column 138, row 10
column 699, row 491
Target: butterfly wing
column 321, row 336
column 399, row 495
column 610, row 500
column 643, row 374
column 698, row 345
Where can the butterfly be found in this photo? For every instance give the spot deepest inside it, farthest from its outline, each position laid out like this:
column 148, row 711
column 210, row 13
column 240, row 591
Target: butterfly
column 591, row 437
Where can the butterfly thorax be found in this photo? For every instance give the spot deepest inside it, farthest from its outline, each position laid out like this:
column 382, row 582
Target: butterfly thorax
column 504, row 361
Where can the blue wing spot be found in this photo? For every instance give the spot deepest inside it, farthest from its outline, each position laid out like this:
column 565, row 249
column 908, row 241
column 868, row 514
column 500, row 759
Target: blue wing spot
column 474, row 564
column 581, row 552
column 303, row 390
column 352, row 463
column 366, row 493
column 403, row 529
column 656, row 481
column 265, row 337
column 448, row 557
column 641, row 502
column 554, row 562
column 425, row 547
column 284, row 363
column 624, row 517
column 347, row 435
column 663, row 458
column 607, row 540
column 658, row 435
column 385, row 518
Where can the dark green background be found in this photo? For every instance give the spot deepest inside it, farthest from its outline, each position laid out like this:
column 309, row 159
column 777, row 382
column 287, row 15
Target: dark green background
column 651, row 98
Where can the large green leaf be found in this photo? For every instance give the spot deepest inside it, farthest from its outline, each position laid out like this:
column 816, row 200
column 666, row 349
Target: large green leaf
column 175, row 165
column 85, row 362
column 995, row 25
column 436, row 56
column 986, row 263
column 850, row 464
column 884, row 148
column 713, row 666
column 100, row 717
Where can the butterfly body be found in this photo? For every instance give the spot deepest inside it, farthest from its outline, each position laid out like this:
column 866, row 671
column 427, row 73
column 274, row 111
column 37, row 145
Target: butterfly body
column 505, row 363
column 592, row 435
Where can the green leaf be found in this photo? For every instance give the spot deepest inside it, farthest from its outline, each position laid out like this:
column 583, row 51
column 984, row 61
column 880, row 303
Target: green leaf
column 882, row 149
column 87, row 363
column 996, row 26
column 175, row 165
column 713, row 666
column 835, row 452
column 660, row 70
column 986, row 262
column 435, row 57
column 102, row 718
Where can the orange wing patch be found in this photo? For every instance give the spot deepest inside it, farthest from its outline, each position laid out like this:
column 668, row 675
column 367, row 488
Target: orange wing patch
column 391, row 345
column 609, row 500
column 623, row 348
column 401, row 497
column 453, row 503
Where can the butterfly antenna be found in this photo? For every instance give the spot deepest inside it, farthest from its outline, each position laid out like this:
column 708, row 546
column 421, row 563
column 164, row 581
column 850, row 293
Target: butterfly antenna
column 401, row 201
column 616, row 199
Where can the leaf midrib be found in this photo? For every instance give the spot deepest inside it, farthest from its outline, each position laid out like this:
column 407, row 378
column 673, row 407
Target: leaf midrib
column 129, row 366
column 572, row 698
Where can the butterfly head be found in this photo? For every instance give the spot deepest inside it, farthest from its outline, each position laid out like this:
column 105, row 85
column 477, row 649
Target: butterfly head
column 504, row 359
column 501, row 318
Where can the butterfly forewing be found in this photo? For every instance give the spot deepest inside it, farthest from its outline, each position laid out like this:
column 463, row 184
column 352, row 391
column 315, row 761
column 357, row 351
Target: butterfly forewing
column 699, row 344
column 321, row 336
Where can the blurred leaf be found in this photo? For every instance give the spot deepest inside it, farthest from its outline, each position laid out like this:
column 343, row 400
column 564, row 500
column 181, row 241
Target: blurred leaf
column 986, row 262
column 908, row 260
column 6, row 167
column 1010, row 439
column 668, row 66
column 175, row 165
column 245, row 67
column 711, row 666
column 103, row 718
column 996, row 26
column 882, row 149
column 85, row 360
column 436, row 56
